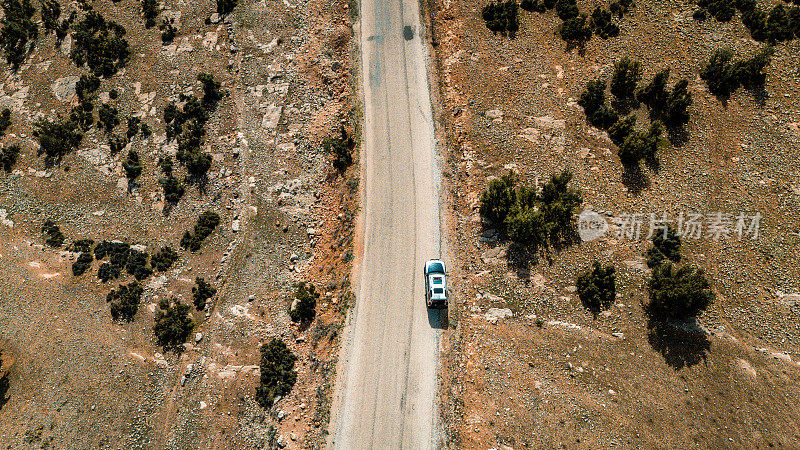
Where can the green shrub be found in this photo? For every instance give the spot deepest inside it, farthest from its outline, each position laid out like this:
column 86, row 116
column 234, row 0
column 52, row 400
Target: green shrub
column 51, row 12
column 150, row 11
column 201, row 293
column 655, row 94
column 172, row 324
column 133, row 167
column 627, row 74
column 750, row 72
column 82, row 264
column 543, row 219
column 118, row 255
column 620, row 7
column 86, row 87
column 575, row 32
column 721, row 10
column 84, row 261
column 108, row 117
column 116, row 143
column 226, row 6
column 133, row 127
column 304, row 309
column 341, row 148
column 9, row 156
column 601, row 25
column 211, row 92
column 164, row 259
column 666, row 247
column 778, row 24
column 173, row 189
column 52, row 234
column 168, row 31
column 205, row 225
column 676, row 113
column 137, row 265
column 99, row 44
column 277, row 372
column 107, row 272
column 501, row 17
column 56, row 139
column 622, row 129
column 719, row 74
column 125, row 301
column 593, row 97
column 723, row 77
column 566, row 9
column 638, row 146
column 82, row 115
column 5, row 121
column 18, row 32
column 497, row 200
column 678, row 294
column 597, row 288
column 63, row 28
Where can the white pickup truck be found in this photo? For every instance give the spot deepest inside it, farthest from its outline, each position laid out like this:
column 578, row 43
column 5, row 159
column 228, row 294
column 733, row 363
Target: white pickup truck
column 435, row 284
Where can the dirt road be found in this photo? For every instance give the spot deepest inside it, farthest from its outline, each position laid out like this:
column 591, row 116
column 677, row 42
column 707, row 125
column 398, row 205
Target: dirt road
column 385, row 393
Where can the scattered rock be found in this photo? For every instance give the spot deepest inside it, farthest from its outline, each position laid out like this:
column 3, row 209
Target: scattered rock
column 495, row 314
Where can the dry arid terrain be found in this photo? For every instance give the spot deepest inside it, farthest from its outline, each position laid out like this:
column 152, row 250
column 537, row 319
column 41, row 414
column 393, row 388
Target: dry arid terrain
column 541, row 370
column 79, row 379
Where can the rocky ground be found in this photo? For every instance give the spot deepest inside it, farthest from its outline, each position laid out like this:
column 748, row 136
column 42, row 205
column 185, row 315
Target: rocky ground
column 79, row 379
column 528, row 365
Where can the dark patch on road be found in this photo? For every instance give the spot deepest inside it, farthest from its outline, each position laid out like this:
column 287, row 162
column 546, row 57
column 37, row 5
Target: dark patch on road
column 408, row 33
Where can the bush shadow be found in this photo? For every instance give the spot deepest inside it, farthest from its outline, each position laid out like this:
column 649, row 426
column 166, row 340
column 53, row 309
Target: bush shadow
column 681, row 344
column 634, row 178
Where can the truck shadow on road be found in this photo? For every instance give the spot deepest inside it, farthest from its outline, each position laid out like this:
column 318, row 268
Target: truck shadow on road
column 438, row 318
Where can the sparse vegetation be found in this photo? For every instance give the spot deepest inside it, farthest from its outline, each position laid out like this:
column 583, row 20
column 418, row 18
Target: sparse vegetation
column 201, row 293
column 9, row 156
column 678, row 294
column 18, row 31
column 593, row 101
column 341, row 148
column 172, row 324
column 597, row 288
column 164, row 259
column 125, row 301
column 82, row 115
column 56, row 139
column 305, row 303
column 211, row 92
column 205, row 226
column 52, row 234
column 99, row 44
column 277, row 372
column 116, row 143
